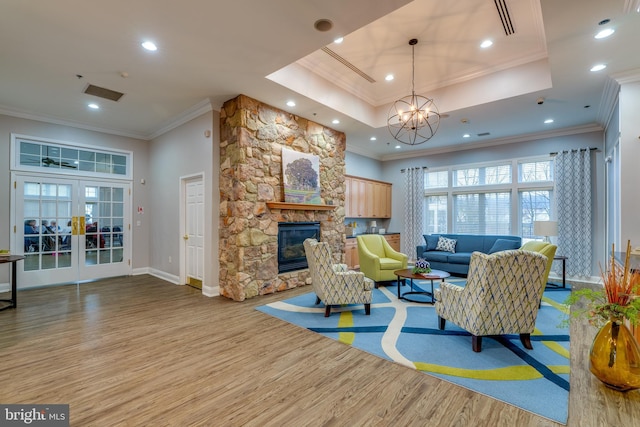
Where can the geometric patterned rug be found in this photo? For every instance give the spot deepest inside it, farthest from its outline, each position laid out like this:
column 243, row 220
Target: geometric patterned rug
column 407, row 333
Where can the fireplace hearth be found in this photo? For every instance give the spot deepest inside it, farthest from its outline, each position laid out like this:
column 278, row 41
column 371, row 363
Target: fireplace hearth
column 291, row 236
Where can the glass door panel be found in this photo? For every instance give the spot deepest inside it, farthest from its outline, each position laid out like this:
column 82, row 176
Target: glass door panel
column 104, row 252
column 43, row 204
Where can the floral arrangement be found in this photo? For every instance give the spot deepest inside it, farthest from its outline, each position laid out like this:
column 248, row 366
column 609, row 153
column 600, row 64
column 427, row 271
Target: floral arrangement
column 617, row 301
column 421, row 266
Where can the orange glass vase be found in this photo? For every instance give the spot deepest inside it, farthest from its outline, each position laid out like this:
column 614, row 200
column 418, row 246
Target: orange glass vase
column 615, row 357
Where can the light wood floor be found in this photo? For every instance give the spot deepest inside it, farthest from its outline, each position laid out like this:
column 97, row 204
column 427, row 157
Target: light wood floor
column 137, row 351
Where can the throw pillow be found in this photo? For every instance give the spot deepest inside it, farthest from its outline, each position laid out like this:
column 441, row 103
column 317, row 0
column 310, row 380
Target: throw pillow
column 503, row 245
column 432, row 241
column 445, row 244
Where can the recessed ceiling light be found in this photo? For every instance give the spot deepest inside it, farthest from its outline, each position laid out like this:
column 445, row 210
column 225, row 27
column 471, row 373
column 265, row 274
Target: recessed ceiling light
column 466, row 135
column 373, row 138
column 339, row 40
column 548, row 121
column 291, row 104
column 335, row 121
column 388, row 77
column 485, row 44
column 604, row 33
column 93, row 106
column 397, row 147
column 598, row 67
column 149, row 45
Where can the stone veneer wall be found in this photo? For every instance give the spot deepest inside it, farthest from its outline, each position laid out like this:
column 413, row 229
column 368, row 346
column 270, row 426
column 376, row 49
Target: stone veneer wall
column 252, row 135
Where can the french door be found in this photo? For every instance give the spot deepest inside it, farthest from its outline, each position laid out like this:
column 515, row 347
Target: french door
column 71, row 230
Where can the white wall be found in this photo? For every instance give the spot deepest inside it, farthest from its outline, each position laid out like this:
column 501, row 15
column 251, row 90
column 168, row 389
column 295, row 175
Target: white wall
column 181, row 152
column 9, row 125
column 629, row 159
column 391, row 173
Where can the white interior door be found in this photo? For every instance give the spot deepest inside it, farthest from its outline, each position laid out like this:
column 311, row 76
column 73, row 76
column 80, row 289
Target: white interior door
column 194, row 236
column 70, row 230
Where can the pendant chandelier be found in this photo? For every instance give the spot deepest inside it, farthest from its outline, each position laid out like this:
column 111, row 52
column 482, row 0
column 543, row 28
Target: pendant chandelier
column 413, row 119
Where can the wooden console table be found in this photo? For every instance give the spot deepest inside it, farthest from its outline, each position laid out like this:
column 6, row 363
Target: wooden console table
column 13, row 301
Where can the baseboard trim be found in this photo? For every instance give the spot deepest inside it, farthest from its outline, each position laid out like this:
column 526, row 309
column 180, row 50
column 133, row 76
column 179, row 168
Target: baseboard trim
column 164, row 276
column 210, row 291
column 207, row 290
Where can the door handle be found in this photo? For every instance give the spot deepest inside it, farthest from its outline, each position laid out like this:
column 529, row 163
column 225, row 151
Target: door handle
column 185, row 237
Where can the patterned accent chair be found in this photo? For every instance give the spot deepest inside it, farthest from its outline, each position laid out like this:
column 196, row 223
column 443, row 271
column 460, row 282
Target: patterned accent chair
column 502, row 296
column 378, row 260
column 546, row 249
column 333, row 283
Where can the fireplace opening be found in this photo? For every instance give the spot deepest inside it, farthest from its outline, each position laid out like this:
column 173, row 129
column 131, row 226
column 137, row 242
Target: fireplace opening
column 291, row 236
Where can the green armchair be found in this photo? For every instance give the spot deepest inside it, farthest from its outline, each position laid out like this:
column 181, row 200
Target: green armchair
column 546, row 249
column 378, row 260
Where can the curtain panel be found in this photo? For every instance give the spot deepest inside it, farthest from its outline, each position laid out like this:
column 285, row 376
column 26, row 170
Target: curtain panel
column 413, row 211
column 573, row 199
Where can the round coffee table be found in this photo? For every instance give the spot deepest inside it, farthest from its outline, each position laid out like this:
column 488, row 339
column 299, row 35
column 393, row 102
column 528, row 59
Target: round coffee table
column 409, row 274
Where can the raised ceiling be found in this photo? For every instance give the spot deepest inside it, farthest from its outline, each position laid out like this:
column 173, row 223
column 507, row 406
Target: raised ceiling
column 209, row 52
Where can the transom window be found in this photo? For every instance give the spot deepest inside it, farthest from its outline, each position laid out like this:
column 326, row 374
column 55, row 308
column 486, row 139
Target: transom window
column 57, row 157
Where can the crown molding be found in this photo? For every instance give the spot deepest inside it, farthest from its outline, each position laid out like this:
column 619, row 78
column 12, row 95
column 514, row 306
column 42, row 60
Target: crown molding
column 53, row 120
column 197, row 110
column 495, row 142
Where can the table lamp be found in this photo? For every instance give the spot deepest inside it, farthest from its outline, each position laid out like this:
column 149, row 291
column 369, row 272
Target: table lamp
column 546, row 229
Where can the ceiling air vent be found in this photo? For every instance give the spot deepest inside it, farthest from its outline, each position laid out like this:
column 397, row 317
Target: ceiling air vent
column 348, row 64
column 505, row 18
column 484, row 134
column 103, row 93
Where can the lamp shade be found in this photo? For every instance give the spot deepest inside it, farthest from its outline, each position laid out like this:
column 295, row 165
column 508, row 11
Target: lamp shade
column 545, row 228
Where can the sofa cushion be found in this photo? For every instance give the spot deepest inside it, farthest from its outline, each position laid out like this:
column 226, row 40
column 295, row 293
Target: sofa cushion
column 468, row 242
column 436, row 256
column 460, row 258
column 432, row 241
column 504, row 245
column 446, row 244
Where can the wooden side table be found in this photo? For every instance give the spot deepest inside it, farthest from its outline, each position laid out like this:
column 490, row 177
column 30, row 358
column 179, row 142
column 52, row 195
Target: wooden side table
column 13, row 301
column 564, row 268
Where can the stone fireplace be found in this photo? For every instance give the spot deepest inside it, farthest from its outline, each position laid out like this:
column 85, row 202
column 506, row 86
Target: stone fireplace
column 252, row 135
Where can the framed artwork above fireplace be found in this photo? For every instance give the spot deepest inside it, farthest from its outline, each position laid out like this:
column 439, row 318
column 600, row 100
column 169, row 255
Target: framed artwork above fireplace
column 301, row 177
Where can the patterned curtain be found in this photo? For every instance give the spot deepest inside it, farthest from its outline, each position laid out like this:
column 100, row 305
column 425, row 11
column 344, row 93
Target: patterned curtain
column 573, row 199
column 413, row 211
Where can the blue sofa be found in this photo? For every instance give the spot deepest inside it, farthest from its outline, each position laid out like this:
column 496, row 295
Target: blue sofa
column 458, row 262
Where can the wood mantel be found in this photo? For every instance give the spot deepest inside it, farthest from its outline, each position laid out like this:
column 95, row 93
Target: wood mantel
column 300, row 206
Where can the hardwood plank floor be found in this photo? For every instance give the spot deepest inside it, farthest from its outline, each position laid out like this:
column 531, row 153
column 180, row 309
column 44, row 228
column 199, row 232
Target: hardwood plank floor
column 137, row 351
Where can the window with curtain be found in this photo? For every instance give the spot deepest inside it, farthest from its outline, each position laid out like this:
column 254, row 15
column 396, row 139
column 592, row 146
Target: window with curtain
column 501, row 198
column 482, row 213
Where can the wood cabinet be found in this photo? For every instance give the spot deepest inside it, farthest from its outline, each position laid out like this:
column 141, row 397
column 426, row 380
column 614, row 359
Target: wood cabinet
column 394, row 241
column 351, row 249
column 351, row 253
column 366, row 198
column 355, row 198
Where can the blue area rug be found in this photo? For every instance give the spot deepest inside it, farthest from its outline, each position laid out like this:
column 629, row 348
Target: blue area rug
column 407, row 333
